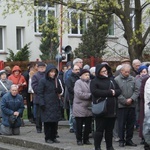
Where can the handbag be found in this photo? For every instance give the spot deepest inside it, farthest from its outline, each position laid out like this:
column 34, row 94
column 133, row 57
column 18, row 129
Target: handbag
column 100, row 108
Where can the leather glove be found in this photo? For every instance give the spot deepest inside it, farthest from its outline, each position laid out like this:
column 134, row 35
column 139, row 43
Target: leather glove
column 43, row 107
column 3, row 93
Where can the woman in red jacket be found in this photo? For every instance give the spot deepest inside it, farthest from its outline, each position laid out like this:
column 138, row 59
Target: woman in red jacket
column 17, row 78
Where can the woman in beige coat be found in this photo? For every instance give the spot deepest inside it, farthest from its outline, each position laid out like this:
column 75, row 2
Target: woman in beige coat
column 81, row 112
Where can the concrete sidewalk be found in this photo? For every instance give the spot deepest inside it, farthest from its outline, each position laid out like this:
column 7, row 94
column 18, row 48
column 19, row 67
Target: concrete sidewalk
column 29, row 139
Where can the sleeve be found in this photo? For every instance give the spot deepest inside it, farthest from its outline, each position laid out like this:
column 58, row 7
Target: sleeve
column 34, row 84
column 136, row 91
column 20, row 110
column 79, row 92
column 40, row 89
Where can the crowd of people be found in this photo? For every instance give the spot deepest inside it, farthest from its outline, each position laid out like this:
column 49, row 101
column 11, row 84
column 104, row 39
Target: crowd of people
column 50, row 93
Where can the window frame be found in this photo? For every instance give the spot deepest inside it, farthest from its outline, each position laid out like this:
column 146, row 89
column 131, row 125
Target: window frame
column 3, row 39
column 21, row 37
column 45, row 8
column 78, row 23
column 109, row 26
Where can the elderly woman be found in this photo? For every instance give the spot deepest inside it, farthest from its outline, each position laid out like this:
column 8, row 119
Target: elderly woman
column 82, row 102
column 5, row 85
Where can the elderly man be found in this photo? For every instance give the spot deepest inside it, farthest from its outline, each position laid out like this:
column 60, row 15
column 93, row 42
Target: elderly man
column 12, row 105
column 126, row 105
column 135, row 64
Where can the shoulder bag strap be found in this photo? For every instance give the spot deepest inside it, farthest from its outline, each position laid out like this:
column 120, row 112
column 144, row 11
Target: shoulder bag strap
column 3, row 85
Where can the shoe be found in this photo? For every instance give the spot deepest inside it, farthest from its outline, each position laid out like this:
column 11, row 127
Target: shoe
column 130, row 143
column 110, row 148
column 49, row 141
column 79, row 143
column 22, row 123
column 142, row 142
column 116, row 139
column 56, row 141
column 57, row 136
column 98, row 149
column 88, row 143
column 121, row 144
column 39, row 131
column 71, row 131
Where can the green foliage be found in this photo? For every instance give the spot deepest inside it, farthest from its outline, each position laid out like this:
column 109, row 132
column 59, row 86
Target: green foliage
column 22, row 55
column 94, row 38
column 49, row 40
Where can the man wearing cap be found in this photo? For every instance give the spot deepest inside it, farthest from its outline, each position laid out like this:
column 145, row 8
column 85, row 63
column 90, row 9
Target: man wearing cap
column 35, row 81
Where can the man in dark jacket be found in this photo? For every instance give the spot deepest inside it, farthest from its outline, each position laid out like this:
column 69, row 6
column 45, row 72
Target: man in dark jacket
column 126, row 104
column 12, row 104
column 35, row 81
column 70, row 86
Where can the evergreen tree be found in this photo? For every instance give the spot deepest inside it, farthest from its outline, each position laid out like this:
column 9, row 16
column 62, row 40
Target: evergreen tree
column 49, row 40
column 94, row 38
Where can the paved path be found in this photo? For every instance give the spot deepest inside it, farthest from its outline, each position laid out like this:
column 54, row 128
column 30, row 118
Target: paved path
column 67, row 140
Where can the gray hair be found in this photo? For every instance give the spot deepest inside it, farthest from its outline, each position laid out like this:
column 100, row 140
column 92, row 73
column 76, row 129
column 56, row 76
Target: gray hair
column 14, row 85
column 125, row 66
column 76, row 60
column 136, row 61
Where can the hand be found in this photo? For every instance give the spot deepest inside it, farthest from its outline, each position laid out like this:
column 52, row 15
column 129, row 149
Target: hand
column 113, row 92
column 43, row 107
column 16, row 113
column 129, row 101
column 3, row 93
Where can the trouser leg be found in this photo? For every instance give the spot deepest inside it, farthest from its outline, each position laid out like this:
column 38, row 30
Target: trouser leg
column 38, row 118
column 109, row 125
column 130, row 124
column 79, row 127
column 87, row 128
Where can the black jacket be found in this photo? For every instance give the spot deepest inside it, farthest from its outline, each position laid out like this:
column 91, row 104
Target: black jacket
column 70, row 86
column 101, row 87
column 48, row 90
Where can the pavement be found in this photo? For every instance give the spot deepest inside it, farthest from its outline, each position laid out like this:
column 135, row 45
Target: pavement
column 29, row 139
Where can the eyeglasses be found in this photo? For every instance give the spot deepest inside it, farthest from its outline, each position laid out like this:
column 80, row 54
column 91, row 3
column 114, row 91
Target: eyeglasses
column 103, row 71
column 80, row 62
column 76, row 69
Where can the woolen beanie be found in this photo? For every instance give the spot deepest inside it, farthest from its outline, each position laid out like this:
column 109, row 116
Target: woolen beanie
column 2, row 71
column 141, row 68
column 92, row 69
column 84, row 71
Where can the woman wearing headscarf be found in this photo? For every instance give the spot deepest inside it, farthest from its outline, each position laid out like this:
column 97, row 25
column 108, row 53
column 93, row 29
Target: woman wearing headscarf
column 103, row 86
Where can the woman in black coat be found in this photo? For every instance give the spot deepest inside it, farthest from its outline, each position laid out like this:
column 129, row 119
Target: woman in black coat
column 48, row 90
column 103, row 85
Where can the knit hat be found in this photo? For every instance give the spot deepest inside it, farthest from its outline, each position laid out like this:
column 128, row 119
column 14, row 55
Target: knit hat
column 2, row 71
column 92, row 69
column 141, row 68
column 41, row 64
column 86, row 67
column 84, row 71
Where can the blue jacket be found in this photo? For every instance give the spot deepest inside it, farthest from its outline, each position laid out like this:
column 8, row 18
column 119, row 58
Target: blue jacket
column 9, row 105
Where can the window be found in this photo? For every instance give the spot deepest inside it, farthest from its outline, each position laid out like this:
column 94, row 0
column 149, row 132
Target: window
column 1, row 38
column 111, row 26
column 77, row 22
column 42, row 10
column 19, row 37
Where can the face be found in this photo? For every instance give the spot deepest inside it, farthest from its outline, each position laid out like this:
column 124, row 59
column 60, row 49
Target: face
column 76, row 69
column 85, row 76
column 103, row 72
column 41, row 68
column 143, row 72
column 14, row 90
column 3, row 76
column 80, row 64
column 136, row 65
column 16, row 72
column 125, row 72
column 64, row 69
column 52, row 73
